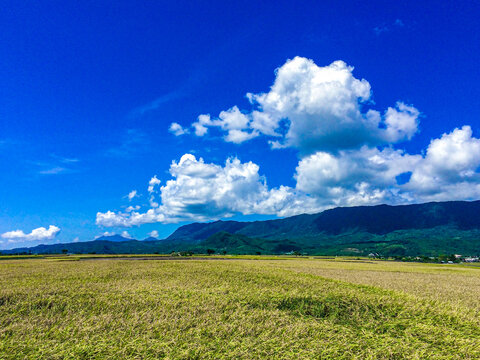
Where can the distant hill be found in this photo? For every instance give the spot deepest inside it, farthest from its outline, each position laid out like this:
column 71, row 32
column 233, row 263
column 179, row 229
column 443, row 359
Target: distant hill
column 421, row 229
column 200, row 231
column 150, row 238
column 114, row 238
column 91, row 247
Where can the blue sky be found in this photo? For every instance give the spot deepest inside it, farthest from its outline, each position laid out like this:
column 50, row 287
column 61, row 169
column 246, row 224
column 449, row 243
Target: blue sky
column 351, row 103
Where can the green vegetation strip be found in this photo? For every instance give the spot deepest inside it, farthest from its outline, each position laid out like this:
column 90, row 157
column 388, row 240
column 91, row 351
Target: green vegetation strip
column 216, row 310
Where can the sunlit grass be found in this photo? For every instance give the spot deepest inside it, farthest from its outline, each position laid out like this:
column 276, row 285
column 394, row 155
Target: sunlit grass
column 237, row 308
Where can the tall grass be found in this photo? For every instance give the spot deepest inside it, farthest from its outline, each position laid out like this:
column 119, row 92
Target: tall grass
column 285, row 309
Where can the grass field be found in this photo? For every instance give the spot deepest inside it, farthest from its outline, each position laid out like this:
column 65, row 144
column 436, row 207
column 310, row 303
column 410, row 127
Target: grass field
column 237, row 308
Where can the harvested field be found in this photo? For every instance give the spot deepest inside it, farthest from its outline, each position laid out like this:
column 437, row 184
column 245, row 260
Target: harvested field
column 288, row 309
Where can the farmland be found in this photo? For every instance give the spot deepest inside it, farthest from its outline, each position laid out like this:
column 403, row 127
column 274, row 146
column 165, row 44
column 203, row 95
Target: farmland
column 257, row 307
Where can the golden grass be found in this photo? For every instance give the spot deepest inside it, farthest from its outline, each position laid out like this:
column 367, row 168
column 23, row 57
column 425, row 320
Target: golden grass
column 232, row 309
column 453, row 285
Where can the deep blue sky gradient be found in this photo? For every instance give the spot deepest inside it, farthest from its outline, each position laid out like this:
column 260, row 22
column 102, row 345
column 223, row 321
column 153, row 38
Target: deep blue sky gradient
column 100, row 82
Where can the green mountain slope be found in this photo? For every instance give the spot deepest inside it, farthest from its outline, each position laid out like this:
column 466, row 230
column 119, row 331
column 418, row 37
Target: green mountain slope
column 381, row 219
column 423, row 229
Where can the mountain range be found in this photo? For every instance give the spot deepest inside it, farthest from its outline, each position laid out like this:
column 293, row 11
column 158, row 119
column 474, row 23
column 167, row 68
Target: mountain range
column 421, row 229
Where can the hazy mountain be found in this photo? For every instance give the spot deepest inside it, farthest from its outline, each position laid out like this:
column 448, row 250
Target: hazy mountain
column 150, row 238
column 87, row 247
column 114, row 238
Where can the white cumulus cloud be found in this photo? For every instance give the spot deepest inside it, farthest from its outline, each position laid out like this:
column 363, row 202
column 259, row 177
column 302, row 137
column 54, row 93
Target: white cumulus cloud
column 201, row 125
column 38, row 234
column 231, row 121
column 125, row 234
column 311, row 108
column 200, row 191
column 154, row 234
column 154, row 181
column 132, row 194
column 347, row 154
column 401, row 122
column 450, row 168
column 177, row 129
column 131, row 208
column 355, row 177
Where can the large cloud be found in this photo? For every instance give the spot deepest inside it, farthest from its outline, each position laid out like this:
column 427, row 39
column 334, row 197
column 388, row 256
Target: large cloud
column 448, row 171
column 347, row 154
column 355, row 177
column 315, row 108
column 201, row 191
column 38, row 234
column 450, row 168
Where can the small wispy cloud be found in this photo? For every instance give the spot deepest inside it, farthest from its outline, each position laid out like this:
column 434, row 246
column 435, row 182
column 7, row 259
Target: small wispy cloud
column 106, row 233
column 157, row 103
column 54, row 171
column 65, row 160
column 7, row 143
column 125, row 234
column 154, row 234
column 177, row 129
column 132, row 208
column 378, row 30
column 132, row 142
column 57, row 165
column 384, row 28
column 132, row 194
